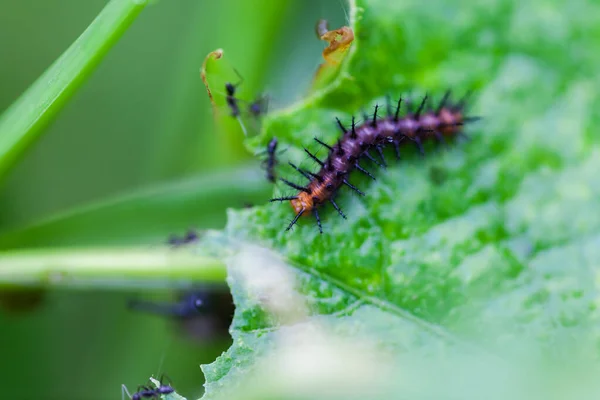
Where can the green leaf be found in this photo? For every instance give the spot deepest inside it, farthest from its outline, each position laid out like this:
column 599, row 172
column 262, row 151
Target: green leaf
column 23, row 122
column 478, row 264
column 147, row 215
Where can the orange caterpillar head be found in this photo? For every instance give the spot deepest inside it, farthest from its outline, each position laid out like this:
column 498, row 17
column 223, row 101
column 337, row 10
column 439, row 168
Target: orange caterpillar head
column 304, row 202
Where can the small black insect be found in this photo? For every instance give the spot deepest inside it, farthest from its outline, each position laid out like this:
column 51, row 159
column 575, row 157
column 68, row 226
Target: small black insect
column 271, row 161
column 162, row 388
column 190, row 237
column 259, row 107
column 256, row 109
column 203, row 313
column 190, row 306
column 147, row 392
column 232, row 101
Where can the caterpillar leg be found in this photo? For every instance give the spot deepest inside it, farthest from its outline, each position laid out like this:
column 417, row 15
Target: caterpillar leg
column 318, row 220
column 337, row 208
column 364, row 171
column 419, row 145
column 372, row 159
column 351, row 186
column 295, row 219
column 380, row 152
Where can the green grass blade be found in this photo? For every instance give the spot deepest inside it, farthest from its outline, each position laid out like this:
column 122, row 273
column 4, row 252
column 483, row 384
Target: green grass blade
column 148, row 215
column 25, row 119
column 108, row 268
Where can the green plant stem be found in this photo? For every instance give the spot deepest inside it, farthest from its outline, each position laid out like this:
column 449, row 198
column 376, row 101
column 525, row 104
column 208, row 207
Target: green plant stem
column 24, row 120
column 108, row 268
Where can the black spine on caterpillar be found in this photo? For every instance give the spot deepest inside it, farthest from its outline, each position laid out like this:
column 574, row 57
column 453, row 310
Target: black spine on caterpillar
column 444, row 122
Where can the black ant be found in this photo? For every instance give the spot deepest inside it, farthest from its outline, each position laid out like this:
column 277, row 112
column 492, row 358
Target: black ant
column 204, row 313
column 232, row 101
column 269, row 163
column 190, row 306
column 257, row 108
column 147, row 392
column 190, row 237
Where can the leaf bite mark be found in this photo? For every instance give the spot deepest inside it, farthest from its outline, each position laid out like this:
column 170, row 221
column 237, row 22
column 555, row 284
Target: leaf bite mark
column 339, row 42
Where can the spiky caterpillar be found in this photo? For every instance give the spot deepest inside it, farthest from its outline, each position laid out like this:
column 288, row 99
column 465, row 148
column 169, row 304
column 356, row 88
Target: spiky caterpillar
column 443, row 122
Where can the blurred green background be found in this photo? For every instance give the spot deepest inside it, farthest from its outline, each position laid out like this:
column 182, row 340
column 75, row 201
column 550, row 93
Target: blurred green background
column 141, row 124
